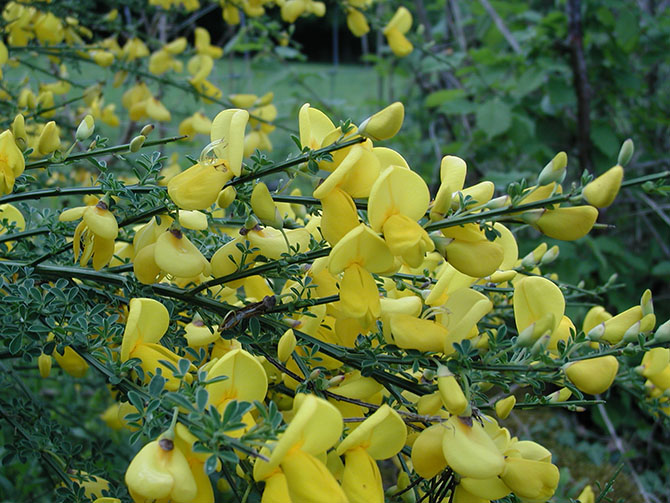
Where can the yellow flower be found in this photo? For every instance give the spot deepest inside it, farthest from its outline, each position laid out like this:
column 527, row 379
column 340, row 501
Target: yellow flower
column 397, row 200
column 357, row 23
column 228, row 130
column 315, row 427
column 198, row 187
column 539, row 306
column 12, row 216
column 147, row 322
column 566, row 224
column 160, row 471
column 395, row 31
column 469, row 450
column 49, row 140
column 12, row 162
column 97, row 232
column 358, row 254
column 602, row 191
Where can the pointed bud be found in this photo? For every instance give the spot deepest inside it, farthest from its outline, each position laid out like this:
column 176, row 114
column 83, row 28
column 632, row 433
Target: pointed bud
column 626, row 152
column 49, row 140
column 646, row 303
column 264, row 207
column 561, row 395
column 451, row 393
column 44, row 365
column 550, row 256
column 554, row 171
column 533, row 258
column 662, row 333
column 597, row 332
column 86, row 128
column 504, row 407
column 146, row 130
column 226, row 197
column 286, row 345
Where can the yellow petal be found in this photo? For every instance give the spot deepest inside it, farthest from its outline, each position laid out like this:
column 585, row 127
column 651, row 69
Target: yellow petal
column 147, row 322
column 593, row 376
column 530, row 479
column 246, row 381
column 397, row 191
column 361, row 480
column 602, row 191
column 469, row 450
column 176, row 255
column 361, row 246
column 427, row 456
column 228, row 126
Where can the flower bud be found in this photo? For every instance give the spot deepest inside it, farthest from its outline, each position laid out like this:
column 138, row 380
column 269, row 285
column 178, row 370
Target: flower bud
column 146, row 130
column 561, row 395
column 533, row 258
column 626, row 152
column 136, row 143
column 646, row 303
column 357, row 23
column 286, row 345
column 44, row 364
column 550, row 256
column 49, row 140
column 86, row 128
column 19, row 131
column 226, row 197
column 505, row 406
column 264, row 207
column 384, row 124
column 554, row 171
column 662, row 333
column 450, row 391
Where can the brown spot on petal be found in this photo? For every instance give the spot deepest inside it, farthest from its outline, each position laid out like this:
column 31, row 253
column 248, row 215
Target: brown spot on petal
column 166, row 444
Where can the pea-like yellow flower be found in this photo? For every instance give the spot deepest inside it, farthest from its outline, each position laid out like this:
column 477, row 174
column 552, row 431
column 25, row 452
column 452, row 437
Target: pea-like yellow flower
column 160, row 471
column 395, row 31
column 602, row 191
column 315, row 427
column 97, row 231
column 356, row 22
column 147, row 322
column 358, row 254
column 13, row 217
column 381, row 436
column 469, row 450
column 398, row 199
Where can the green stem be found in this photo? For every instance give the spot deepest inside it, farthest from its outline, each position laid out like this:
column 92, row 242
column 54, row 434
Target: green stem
column 493, row 214
column 24, row 234
column 311, row 201
column 275, row 265
column 101, row 151
column 71, row 191
column 296, row 160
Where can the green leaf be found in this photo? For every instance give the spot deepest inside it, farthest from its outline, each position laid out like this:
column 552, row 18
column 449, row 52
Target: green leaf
column 210, row 464
column 494, row 117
